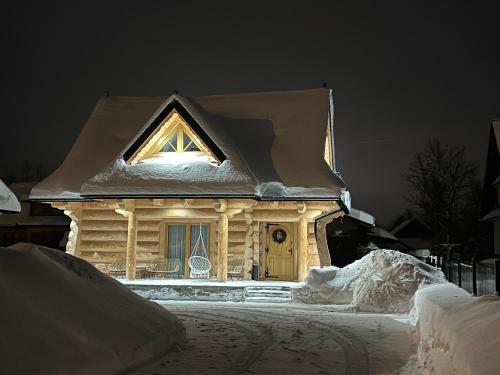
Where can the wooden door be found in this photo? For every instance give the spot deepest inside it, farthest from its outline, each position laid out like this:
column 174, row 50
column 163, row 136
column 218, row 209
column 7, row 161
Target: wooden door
column 279, row 251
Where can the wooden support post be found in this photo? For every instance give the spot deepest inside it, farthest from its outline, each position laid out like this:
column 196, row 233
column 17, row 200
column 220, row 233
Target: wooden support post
column 222, row 251
column 131, row 240
column 323, row 251
column 303, row 247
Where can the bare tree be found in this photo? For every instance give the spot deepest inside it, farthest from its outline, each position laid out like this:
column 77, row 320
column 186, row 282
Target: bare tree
column 441, row 185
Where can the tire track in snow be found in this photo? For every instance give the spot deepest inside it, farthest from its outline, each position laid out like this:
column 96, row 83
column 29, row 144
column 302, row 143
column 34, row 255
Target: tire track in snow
column 258, row 338
column 357, row 359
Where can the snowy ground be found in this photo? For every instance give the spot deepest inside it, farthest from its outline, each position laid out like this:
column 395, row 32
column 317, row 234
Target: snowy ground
column 237, row 338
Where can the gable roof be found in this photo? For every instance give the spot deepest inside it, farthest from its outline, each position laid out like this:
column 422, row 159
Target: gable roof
column 412, row 227
column 173, row 105
column 26, row 216
column 273, row 143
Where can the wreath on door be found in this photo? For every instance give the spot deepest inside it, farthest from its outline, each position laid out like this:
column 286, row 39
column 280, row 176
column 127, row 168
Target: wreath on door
column 279, row 235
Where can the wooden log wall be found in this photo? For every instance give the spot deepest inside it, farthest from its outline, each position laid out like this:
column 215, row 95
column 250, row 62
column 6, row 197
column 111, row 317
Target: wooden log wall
column 99, row 233
column 103, row 235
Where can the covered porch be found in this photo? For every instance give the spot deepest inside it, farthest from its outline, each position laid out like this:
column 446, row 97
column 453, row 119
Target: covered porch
column 241, row 239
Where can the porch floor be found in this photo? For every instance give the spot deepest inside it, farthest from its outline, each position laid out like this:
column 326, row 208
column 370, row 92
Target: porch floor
column 212, row 290
column 210, row 282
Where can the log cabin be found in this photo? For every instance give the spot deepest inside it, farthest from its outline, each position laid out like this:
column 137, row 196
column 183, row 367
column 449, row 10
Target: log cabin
column 252, row 175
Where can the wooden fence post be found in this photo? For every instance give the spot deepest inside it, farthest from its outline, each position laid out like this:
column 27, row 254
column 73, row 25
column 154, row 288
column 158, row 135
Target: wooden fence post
column 474, row 277
column 459, row 268
column 497, row 277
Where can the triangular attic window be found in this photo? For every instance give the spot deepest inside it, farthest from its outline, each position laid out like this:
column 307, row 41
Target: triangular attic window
column 173, row 139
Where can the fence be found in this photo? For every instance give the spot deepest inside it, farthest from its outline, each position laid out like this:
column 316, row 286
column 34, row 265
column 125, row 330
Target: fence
column 478, row 277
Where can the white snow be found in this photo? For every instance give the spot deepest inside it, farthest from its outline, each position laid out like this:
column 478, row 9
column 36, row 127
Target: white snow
column 157, row 176
column 457, row 333
column 188, row 176
column 381, row 281
column 257, row 338
column 60, row 315
column 8, row 201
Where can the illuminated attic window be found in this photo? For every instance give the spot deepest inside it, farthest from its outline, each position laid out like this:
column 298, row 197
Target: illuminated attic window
column 173, row 141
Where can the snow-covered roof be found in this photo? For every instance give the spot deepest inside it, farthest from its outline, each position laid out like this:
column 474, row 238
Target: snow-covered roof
column 496, row 129
column 273, row 143
column 407, row 222
column 493, row 215
column 8, row 200
column 381, row 233
column 362, row 216
column 24, row 216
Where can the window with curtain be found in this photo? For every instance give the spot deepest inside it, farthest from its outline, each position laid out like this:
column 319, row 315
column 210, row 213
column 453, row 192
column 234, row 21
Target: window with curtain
column 178, row 239
column 177, row 244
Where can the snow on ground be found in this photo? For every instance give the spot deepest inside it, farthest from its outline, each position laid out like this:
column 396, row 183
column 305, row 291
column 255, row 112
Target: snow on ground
column 458, row 334
column 256, row 338
column 381, row 281
column 60, row 315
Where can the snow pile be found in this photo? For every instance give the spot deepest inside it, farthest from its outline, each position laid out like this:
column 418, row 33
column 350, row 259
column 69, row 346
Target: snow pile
column 60, row 315
column 381, row 281
column 458, row 334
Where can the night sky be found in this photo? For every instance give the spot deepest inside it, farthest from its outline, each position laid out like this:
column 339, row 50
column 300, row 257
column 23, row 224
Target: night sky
column 402, row 72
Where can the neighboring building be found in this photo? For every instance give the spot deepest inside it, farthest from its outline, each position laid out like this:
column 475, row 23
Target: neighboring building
column 355, row 235
column 8, row 200
column 245, row 176
column 491, row 191
column 36, row 222
column 413, row 234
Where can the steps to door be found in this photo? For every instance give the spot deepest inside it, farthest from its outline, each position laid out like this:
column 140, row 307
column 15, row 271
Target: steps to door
column 268, row 294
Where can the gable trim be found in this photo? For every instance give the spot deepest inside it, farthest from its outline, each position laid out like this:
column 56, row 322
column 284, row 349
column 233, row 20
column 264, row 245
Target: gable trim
column 174, row 105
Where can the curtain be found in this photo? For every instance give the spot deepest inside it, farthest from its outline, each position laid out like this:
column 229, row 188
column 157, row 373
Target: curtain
column 177, row 243
column 202, row 248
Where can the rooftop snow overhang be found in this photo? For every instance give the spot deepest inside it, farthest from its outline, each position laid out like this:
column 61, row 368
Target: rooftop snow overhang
column 8, row 201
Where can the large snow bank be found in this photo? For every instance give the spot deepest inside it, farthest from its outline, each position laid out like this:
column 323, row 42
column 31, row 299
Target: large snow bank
column 381, row 281
column 458, row 334
column 59, row 314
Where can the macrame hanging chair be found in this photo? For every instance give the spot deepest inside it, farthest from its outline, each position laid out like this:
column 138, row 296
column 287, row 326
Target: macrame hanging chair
column 199, row 264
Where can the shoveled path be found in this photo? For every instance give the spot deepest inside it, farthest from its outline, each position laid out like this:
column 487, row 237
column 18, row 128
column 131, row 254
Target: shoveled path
column 248, row 338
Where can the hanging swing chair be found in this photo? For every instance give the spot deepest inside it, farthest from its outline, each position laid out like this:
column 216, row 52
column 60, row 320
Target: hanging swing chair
column 199, row 264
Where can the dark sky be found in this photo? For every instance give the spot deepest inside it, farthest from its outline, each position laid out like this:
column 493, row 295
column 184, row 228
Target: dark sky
column 402, row 72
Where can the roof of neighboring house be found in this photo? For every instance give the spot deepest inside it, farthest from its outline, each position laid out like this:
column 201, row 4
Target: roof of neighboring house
column 496, row 129
column 417, row 243
column 362, row 216
column 381, row 233
column 491, row 172
column 8, row 200
column 493, row 215
column 26, row 216
column 410, row 225
column 274, row 143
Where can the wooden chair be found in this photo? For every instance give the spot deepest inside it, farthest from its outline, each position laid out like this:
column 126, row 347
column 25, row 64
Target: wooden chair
column 235, row 270
column 117, row 267
column 163, row 268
